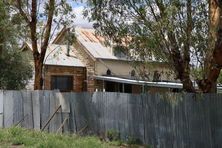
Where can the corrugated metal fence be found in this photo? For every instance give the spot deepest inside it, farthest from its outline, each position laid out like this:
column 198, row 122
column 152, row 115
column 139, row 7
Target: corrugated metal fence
column 161, row 120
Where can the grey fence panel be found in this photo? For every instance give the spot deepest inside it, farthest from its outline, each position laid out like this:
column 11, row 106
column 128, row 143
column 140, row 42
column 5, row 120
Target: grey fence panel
column 45, row 108
column 56, row 121
column 195, row 110
column 149, row 117
column 1, row 108
column 100, row 103
column 178, row 122
column 135, row 118
column 112, row 111
column 208, row 98
column 18, row 108
column 8, row 108
column 72, row 116
column 96, row 113
column 36, row 108
column 123, row 126
column 64, row 101
column 91, row 113
column 100, row 109
column 161, row 120
column 95, row 105
column 28, row 110
column 106, row 113
column 79, row 113
column 216, row 120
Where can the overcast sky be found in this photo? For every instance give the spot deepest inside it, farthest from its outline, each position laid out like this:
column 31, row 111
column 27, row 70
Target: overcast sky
column 78, row 8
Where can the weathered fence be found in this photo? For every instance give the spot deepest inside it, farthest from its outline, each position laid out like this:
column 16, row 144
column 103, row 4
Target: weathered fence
column 161, row 120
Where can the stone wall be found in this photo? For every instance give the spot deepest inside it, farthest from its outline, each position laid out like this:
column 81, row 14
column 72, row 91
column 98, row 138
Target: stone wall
column 89, row 62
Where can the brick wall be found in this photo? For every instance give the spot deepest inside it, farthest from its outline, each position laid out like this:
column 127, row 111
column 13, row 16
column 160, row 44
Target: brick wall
column 78, row 74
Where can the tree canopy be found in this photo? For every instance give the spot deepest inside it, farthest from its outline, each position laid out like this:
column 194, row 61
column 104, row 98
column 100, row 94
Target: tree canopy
column 176, row 31
column 15, row 69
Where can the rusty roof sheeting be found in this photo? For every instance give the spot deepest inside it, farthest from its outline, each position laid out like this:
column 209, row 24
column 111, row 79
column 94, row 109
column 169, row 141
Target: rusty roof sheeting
column 94, row 44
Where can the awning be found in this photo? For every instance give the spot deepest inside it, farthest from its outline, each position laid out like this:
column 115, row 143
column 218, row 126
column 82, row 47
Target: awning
column 139, row 82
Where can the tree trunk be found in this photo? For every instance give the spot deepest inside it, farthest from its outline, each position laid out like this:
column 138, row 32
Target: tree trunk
column 213, row 24
column 38, row 82
column 216, row 65
column 186, row 80
column 209, row 84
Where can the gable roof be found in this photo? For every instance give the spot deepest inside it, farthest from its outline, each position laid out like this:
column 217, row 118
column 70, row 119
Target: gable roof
column 94, row 44
column 59, row 36
column 57, row 55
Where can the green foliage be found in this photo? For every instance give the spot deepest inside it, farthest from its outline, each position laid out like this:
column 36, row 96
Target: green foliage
column 40, row 27
column 148, row 27
column 29, row 138
column 219, row 80
column 132, row 140
column 62, row 16
column 198, row 73
column 116, row 143
column 174, row 31
column 113, row 135
column 15, row 69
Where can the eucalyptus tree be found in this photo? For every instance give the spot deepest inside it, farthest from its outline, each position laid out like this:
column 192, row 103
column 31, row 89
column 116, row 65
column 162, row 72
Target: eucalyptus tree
column 180, row 32
column 215, row 46
column 41, row 18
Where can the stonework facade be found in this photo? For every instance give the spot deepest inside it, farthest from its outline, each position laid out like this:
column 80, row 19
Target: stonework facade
column 89, row 62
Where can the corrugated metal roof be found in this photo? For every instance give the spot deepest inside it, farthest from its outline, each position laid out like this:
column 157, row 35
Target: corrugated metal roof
column 94, row 44
column 140, row 82
column 57, row 55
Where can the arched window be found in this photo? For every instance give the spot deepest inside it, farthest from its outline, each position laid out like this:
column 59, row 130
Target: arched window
column 133, row 73
column 156, row 76
column 108, row 72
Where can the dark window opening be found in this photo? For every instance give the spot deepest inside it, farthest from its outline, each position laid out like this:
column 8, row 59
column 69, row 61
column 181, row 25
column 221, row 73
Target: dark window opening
column 133, row 73
column 127, row 88
column 118, row 87
column 63, row 83
column 176, row 90
column 108, row 72
column 156, row 76
column 110, row 86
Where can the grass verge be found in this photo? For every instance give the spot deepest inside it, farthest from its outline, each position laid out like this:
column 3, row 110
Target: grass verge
column 19, row 137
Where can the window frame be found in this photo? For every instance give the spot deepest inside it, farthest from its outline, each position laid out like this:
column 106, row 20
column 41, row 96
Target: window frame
column 55, row 86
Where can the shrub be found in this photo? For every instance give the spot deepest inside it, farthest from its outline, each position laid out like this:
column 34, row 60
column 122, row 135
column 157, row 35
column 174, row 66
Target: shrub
column 132, row 140
column 113, row 135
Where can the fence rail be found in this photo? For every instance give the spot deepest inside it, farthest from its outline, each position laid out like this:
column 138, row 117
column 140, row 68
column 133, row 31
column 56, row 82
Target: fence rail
column 161, row 120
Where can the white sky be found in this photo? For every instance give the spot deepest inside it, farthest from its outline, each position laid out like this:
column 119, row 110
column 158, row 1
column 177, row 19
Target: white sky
column 80, row 20
column 78, row 7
